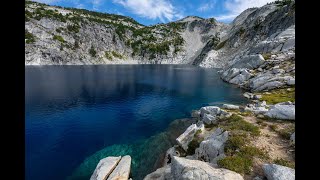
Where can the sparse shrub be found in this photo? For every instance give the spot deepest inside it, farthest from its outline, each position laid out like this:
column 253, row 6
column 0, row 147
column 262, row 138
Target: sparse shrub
column 58, row 38
column 273, row 127
column 220, row 45
column 266, row 56
column 279, row 95
column 284, row 162
column 236, row 163
column 73, row 28
column 30, row 38
column 92, row 52
column 194, row 143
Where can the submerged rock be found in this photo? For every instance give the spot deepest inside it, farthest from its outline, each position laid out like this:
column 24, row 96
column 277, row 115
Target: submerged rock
column 105, row 168
column 186, row 169
column 277, row 172
column 212, row 148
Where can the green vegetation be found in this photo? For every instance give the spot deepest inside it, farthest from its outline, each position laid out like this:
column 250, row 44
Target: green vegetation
column 241, row 31
column 266, row 55
column 241, row 160
column 220, row 45
column 117, row 55
column 282, row 3
column 58, row 38
column 239, row 153
column 108, row 55
column 284, row 162
column 194, row 143
column 273, row 127
column 279, row 95
column 238, row 164
column 236, row 122
column 30, row 38
column 73, row 28
column 92, row 52
column 111, row 54
column 286, row 132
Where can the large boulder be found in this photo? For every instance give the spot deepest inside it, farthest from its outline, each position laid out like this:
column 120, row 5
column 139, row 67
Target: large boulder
column 213, row 110
column 236, row 76
column 277, row 172
column 186, row 169
column 212, row 148
column 105, row 168
column 209, row 119
column 280, row 111
column 122, row 171
column 247, row 61
column 185, row 138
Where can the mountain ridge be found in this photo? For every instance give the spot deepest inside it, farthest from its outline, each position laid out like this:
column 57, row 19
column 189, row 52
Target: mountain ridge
column 67, row 36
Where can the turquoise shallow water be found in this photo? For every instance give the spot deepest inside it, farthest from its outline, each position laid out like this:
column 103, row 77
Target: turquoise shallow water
column 76, row 115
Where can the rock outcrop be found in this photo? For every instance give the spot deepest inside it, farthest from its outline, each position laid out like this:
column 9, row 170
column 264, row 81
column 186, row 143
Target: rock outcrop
column 281, row 111
column 112, row 168
column 185, row 138
column 186, row 169
column 277, row 172
column 105, row 168
column 212, row 148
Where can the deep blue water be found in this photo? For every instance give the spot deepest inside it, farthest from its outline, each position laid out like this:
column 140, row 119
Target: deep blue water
column 73, row 112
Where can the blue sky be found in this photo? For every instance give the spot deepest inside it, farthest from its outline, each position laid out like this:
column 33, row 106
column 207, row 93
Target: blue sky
column 150, row 12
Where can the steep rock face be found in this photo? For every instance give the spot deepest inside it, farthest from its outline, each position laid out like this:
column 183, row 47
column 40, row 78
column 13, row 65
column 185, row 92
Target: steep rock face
column 270, row 28
column 56, row 35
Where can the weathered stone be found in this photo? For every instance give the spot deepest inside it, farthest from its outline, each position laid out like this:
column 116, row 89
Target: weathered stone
column 248, row 61
column 213, row 110
column 185, row 138
column 212, row 148
column 122, row 171
column 277, row 172
column 105, row 168
column 248, row 95
column 185, row 169
column 209, row 119
column 279, row 111
column 230, row 106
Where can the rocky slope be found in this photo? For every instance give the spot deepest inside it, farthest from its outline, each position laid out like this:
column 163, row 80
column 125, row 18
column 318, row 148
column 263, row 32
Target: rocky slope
column 56, row 35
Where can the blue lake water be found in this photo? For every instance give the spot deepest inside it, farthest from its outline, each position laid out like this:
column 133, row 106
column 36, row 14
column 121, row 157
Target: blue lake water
column 76, row 115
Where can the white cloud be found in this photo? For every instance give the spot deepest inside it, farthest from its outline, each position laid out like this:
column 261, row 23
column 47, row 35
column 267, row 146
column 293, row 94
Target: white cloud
column 151, row 9
column 235, row 7
column 206, row 6
column 47, row 1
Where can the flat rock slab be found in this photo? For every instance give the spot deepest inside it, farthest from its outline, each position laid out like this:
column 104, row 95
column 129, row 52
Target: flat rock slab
column 277, row 172
column 105, row 167
column 122, row 171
